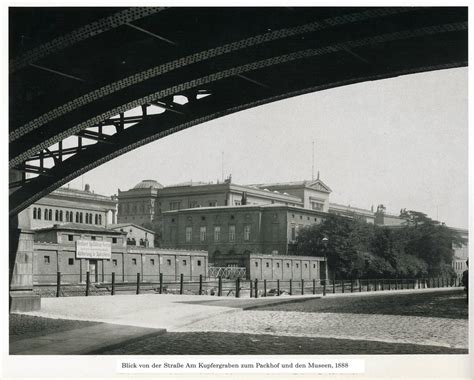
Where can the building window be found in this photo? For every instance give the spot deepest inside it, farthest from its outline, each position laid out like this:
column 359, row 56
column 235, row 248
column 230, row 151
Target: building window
column 34, row 213
column 232, row 233
column 56, row 215
column 114, row 240
column 114, row 262
column 256, row 263
column 237, row 203
column 247, row 232
column 50, row 214
column 202, row 234
column 175, row 205
column 301, row 216
column 278, row 265
column 71, row 261
column 314, row 266
column 297, row 265
column 70, row 237
column 184, row 262
column 46, row 260
column 189, row 234
column 39, row 213
column 61, row 215
column 306, row 265
column 317, row 206
column 293, row 233
column 93, row 238
column 217, row 233
column 100, row 219
column 134, row 261
column 199, row 263
column 152, row 261
column 267, row 264
column 168, row 261
column 287, row 265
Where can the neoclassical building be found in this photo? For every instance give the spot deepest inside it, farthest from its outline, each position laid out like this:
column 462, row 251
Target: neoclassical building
column 68, row 205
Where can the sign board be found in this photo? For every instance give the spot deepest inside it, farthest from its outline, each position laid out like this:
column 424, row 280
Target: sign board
column 92, row 249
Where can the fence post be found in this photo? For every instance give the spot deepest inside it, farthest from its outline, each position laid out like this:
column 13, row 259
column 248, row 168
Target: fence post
column 368, row 285
column 381, row 283
column 264, row 287
column 161, row 283
column 291, row 287
column 251, row 288
column 200, row 284
column 113, row 283
column 314, row 286
column 58, row 284
column 87, row 283
column 324, row 288
column 278, row 287
column 237, row 287
column 333, row 285
column 360, row 285
column 342, row 285
column 181, row 283
column 302, row 287
column 138, row 283
column 352, row 285
column 219, row 286
column 256, row 288
column 375, row 285
column 438, row 282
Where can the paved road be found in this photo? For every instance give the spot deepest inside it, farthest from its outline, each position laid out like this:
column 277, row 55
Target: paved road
column 195, row 314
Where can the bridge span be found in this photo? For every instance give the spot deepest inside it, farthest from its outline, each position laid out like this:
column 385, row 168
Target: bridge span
column 75, row 72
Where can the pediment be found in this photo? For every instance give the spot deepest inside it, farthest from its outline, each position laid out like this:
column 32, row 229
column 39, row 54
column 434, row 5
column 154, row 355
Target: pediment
column 319, row 186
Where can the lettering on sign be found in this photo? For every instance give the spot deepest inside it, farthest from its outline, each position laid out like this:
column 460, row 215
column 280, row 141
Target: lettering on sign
column 91, row 249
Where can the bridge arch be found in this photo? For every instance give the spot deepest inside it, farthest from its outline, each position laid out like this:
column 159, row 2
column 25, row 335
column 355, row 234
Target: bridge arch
column 303, row 51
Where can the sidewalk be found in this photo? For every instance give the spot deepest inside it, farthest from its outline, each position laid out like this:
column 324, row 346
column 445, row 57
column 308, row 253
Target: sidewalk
column 81, row 341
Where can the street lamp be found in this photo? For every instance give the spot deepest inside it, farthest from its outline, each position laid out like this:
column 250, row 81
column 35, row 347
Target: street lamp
column 325, row 241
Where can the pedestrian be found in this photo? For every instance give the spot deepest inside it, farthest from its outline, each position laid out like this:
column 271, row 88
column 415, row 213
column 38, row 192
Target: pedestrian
column 465, row 280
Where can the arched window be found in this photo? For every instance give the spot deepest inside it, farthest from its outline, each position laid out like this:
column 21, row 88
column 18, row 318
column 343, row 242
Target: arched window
column 81, row 220
column 96, row 219
column 34, row 213
column 39, row 213
column 77, row 216
column 50, row 214
column 87, row 217
column 61, row 215
column 100, row 219
column 71, row 216
column 56, row 215
column 91, row 218
column 67, row 216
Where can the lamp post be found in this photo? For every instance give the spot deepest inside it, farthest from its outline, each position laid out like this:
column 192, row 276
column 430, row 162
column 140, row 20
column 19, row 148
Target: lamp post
column 325, row 241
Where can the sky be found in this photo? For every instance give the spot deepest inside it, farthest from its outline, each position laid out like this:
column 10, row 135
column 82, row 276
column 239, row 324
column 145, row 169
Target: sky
column 400, row 142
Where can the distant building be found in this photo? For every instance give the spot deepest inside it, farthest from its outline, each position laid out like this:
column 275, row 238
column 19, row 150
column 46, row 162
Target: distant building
column 67, row 205
column 136, row 235
column 461, row 254
column 230, row 233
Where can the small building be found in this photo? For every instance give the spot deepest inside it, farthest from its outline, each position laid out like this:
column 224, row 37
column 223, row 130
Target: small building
column 136, row 235
column 74, row 249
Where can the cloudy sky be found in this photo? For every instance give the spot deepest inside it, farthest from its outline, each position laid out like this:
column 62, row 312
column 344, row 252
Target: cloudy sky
column 401, row 142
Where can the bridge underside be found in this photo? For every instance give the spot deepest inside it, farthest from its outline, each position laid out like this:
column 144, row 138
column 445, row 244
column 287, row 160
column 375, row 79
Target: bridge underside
column 74, row 73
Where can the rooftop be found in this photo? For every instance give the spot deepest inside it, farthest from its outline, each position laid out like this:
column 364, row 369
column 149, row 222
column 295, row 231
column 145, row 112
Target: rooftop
column 79, row 227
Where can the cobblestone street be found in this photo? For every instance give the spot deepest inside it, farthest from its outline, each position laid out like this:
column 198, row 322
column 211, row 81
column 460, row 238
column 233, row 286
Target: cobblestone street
column 382, row 323
column 384, row 328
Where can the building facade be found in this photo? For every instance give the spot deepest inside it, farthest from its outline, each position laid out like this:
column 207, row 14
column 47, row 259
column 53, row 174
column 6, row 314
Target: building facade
column 67, row 205
column 136, row 235
column 230, row 233
column 61, row 249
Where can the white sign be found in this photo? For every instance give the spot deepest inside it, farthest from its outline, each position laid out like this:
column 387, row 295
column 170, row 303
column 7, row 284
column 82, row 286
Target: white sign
column 91, row 249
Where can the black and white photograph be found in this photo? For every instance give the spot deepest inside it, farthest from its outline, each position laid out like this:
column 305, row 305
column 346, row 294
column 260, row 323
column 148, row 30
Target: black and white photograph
column 237, row 189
